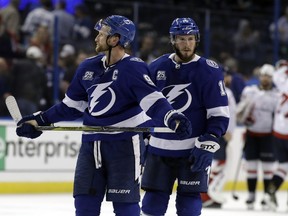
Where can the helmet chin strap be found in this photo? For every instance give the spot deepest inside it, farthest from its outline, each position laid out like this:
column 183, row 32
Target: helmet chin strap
column 109, row 55
column 109, row 50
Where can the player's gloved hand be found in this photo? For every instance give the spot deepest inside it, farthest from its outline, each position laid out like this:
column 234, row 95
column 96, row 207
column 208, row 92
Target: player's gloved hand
column 26, row 126
column 249, row 121
column 201, row 155
column 178, row 122
column 146, row 138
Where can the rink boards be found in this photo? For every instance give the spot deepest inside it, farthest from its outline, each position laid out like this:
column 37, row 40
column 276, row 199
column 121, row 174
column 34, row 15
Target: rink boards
column 46, row 164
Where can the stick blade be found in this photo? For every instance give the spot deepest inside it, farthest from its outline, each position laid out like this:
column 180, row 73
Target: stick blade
column 13, row 108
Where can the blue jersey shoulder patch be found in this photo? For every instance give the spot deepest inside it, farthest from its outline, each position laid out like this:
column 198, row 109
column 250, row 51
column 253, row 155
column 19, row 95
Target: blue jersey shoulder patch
column 212, row 63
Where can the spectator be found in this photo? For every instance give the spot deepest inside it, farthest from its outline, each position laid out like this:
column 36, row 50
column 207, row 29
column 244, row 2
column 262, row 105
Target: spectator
column 8, row 45
column 70, row 70
column 246, row 42
column 42, row 39
column 67, row 63
column 234, row 80
column 65, row 22
column 5, row 86
column 11, row 19
column 29, row 83
column 41, row 16
column 147, row 52
column 282, row 26
column 82, row 31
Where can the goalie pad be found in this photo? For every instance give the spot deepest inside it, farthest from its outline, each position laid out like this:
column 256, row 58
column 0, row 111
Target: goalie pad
column 217, row 181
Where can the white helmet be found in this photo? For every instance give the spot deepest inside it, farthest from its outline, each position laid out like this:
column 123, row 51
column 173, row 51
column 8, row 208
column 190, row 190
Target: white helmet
column 267, row 69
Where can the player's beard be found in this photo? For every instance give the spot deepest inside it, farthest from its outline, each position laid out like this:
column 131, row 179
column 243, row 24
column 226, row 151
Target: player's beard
column 266, row 85
column 184, row 58
column 101, row 48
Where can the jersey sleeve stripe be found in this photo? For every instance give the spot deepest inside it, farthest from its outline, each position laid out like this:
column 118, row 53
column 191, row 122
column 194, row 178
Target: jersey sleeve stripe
column 150, row 99
column 79, row 105
column 218, row 111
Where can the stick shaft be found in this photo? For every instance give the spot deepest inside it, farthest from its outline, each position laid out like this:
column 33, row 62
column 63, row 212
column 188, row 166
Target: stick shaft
column 16, row 115
column 236, row 178
column 105, row 129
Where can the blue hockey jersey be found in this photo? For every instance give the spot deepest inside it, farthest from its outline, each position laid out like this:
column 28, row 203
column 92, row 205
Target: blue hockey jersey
column 197, row 90
column 110, row 96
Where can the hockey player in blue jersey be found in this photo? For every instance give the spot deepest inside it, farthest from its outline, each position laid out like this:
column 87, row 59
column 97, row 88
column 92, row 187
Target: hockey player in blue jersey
column 194, row 86
column 110, row 89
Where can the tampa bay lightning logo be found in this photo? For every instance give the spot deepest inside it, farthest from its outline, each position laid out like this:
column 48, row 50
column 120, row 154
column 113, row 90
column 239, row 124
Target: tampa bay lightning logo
column 102, row 98
column 174, row 91
column 212, row 63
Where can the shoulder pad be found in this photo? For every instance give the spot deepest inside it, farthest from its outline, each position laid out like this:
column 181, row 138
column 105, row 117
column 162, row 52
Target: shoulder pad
column 136, row 59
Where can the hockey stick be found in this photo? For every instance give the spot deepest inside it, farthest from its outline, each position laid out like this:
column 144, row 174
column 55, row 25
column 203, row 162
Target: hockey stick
column 14, row 111
column 106, row 129
column 13, row 108
column 234, row 195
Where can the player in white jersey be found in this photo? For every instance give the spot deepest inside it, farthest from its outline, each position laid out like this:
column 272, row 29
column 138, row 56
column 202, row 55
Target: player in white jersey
column 219, row 170
column 280, row 133
column 256, row 110
column 193, row 85
column 110, row 89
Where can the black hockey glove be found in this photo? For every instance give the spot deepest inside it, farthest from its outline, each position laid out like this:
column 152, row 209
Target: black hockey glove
column 202, row 154
column 178, row 122
column 26, row 126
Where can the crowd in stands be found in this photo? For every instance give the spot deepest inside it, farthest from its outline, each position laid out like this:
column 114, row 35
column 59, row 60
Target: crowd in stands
column 27, row 42
column 26, row 51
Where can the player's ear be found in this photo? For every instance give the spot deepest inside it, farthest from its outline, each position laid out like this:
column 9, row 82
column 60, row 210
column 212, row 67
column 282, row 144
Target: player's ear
column 114, row 40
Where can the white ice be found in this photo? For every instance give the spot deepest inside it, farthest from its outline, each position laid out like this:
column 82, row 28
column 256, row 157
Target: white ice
column 62, row 205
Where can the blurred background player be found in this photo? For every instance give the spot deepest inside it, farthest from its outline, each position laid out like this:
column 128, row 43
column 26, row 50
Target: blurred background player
column 214, row 197
column 256, row 111
column 280, row 133
column 194, row 86
column 110, row 89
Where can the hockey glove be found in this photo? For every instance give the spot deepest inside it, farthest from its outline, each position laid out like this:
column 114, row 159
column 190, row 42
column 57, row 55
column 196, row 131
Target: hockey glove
column 178, row 122
column 26, row 126
column 249, row 121
column 201, row 155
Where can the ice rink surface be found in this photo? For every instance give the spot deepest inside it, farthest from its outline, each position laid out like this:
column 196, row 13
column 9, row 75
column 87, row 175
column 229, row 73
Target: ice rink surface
column 62, row 205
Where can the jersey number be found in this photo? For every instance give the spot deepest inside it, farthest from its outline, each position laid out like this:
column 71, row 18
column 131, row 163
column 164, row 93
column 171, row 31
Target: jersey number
column 222, row 88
